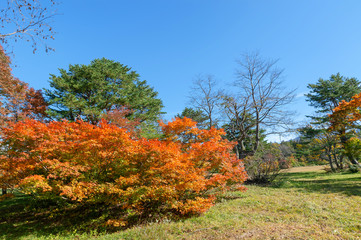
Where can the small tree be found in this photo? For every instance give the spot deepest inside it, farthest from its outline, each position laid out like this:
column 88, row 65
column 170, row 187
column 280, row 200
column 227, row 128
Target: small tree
column 319, row 144
column 264, row 165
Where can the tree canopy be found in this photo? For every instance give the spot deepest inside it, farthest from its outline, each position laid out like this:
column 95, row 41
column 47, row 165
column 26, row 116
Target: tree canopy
column 88, row 92
column 326, row 94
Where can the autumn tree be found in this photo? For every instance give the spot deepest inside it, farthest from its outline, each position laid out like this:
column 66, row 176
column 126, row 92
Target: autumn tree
column 27, row 20
column 325, row 96
column 88, row 91
column 345, row 120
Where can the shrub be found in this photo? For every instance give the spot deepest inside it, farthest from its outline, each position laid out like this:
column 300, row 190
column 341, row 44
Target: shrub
column 264, row 165
column 181, row 173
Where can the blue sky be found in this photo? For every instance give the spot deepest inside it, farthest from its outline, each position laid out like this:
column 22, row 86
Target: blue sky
column 169, row 42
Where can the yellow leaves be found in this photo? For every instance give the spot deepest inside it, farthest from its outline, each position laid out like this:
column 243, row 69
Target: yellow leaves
column 34, row 184
column 196, row 206
column 116, row 223
column 353, row 147
column 127, row 181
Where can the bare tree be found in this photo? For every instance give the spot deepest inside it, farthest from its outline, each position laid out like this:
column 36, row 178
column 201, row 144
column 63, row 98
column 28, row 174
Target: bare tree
column 205, row 96
column 261, row 99
column 28, row 20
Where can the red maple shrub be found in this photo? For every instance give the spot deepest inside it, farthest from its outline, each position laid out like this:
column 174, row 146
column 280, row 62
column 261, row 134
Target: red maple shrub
column 81, row 162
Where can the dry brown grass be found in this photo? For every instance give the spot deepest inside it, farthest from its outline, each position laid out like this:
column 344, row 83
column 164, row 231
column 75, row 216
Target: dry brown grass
column 306, row 169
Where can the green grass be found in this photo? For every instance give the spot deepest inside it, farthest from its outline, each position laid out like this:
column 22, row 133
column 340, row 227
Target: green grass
column 306, row 205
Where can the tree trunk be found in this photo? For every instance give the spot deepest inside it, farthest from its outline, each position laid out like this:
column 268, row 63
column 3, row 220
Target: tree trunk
column 337, row 162
column 350, row 157
column 4, row 191
column 341, row 162
column 256, row 144
column 330, row 161
column 237, row 151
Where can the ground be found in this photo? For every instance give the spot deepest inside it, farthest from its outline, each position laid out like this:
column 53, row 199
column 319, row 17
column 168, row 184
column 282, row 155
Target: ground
column 299, row 205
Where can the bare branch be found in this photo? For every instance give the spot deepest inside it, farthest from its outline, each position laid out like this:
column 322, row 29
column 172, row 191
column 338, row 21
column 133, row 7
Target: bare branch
column 28, row 20
column 261, row 97
column 204, row 96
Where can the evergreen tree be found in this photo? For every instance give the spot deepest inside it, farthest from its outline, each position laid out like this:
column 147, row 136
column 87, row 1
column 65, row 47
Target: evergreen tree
column 89, row 91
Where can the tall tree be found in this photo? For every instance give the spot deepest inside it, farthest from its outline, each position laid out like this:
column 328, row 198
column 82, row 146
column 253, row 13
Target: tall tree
column 325, row 96
column 89, row 91
column 29, row 20
column 261, row 96
column 345, row 119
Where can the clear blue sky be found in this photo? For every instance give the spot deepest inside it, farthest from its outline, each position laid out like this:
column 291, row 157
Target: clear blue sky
column 168, row 42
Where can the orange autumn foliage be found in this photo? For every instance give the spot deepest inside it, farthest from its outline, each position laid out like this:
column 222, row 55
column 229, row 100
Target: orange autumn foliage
column 182, row 172
column 346, row 113
column 17, row 100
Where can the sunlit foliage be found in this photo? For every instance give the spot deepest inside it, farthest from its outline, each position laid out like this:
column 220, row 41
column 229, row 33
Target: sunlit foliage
column 81, row 162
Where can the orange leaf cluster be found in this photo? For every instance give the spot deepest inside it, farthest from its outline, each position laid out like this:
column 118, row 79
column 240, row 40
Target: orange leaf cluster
column 346, row 113
column 181, row 172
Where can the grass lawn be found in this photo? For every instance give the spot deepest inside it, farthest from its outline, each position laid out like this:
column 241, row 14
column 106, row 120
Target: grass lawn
column 300, row 205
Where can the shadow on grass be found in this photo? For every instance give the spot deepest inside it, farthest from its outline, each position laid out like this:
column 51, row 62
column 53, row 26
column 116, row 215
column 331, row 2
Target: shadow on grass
column 21, row 217
column 345, row 183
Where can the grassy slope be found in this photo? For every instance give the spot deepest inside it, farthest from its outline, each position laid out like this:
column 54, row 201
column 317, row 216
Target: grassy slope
column 303, row 205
